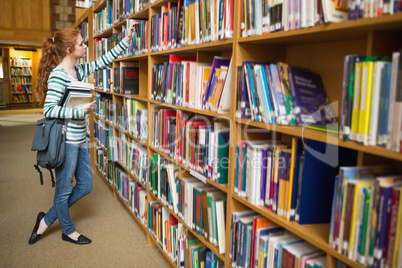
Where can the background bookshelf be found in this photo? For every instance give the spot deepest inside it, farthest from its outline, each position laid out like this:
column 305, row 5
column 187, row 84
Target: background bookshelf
column 320, row 48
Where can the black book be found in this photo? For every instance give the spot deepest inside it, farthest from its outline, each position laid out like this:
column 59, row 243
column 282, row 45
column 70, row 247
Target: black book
column 77, row 93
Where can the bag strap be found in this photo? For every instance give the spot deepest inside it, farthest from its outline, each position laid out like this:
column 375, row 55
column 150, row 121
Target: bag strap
column 78, row 74
column 51, row 175
column 40, row 173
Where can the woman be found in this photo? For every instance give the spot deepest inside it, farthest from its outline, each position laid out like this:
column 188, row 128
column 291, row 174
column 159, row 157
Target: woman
column 57, row 68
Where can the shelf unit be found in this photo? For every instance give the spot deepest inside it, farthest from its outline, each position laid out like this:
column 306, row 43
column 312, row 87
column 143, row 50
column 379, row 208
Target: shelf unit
column 21, row 80
column 320, row 48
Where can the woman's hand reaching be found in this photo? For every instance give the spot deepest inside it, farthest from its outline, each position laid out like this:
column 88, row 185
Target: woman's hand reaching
column 130, row 32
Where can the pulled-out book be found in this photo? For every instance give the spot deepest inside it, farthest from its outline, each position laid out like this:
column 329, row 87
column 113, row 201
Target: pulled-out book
column 310, row 100
column 76, row 94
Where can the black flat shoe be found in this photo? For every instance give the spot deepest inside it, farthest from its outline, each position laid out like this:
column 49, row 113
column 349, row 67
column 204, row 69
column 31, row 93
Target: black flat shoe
column 82, row 240
column 34, row 236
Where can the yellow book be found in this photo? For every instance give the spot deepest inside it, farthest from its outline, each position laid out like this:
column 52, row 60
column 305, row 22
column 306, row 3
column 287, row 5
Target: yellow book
column 365, row 100
column 291, row 176
column 186, row 25
column 359, row 185
column 356, row 102
column 398, row 235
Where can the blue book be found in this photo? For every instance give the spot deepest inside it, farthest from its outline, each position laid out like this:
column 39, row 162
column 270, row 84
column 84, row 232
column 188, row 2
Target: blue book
column 321, row 165
column 216, row 64
column 237, row 171
column 271, row 116
column 384, row 104
column 251, row 90
column 208, row 259
column 296, row 176
column 310, row 99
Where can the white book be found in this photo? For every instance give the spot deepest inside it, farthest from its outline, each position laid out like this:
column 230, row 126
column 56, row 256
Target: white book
column 392, row 97
column 371, row 139
column 224, row 102
column 221, row 228
column 77, row 99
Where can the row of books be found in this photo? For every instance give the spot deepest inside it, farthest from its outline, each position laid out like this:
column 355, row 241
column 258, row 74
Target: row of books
column 84, row 31
column 102, row 133
column 127, row 78
column 137, row 118
column 287, row 179
column 140, row 42
column 19, row 62
column 202, row 207
column 180, row 245
column 278, row 93
column 21, row 80
column 21, row 88
column 103, row 20
column 125, row 8
column 183, row 81
column 193, row 253
column 163, row 227
column 366, row 219
column 121, row 183
column 132, row 156
column 371, row 105
column 21, row 71
column 103, row 79
column 191, row 22
column 199, row 144
column 21, row 98
column 104, row 107
column 103, row 45
column 103, row 164
column 138, row 201
column 260, row 17
column 258, row 242
column 130, row 116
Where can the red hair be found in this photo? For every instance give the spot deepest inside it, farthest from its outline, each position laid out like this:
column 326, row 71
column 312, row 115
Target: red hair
column 54, row 49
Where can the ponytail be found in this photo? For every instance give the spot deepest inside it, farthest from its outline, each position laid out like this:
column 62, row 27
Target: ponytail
column 54, row 49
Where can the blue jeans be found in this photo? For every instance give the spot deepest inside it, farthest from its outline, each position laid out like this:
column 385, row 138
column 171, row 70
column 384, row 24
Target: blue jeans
column 76, row 162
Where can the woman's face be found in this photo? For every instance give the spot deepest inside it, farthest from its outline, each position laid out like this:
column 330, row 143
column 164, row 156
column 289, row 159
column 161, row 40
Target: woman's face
column 80, row 48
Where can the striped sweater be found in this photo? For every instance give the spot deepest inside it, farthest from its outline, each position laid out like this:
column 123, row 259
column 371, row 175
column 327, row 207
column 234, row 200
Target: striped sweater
column 59, row 79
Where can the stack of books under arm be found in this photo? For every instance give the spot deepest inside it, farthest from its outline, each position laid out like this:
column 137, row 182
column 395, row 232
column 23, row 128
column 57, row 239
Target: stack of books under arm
column 278, row 93
column 366, row 220
column 76, row 94
column 371, row 101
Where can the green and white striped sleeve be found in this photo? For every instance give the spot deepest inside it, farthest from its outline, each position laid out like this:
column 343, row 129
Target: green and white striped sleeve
column 57, row 82
column 100, row 63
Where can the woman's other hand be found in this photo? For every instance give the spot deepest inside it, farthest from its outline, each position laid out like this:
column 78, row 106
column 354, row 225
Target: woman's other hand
column 88, row 107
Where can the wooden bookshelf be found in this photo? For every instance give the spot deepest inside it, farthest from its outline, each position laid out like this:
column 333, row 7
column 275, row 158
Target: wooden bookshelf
column 320, row 49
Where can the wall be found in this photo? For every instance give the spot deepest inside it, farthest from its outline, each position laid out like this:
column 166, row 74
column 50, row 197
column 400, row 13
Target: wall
column 62, row 14
column 23, row 20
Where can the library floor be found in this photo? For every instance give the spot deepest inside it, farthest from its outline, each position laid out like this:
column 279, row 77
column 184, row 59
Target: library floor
column 117, row 241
